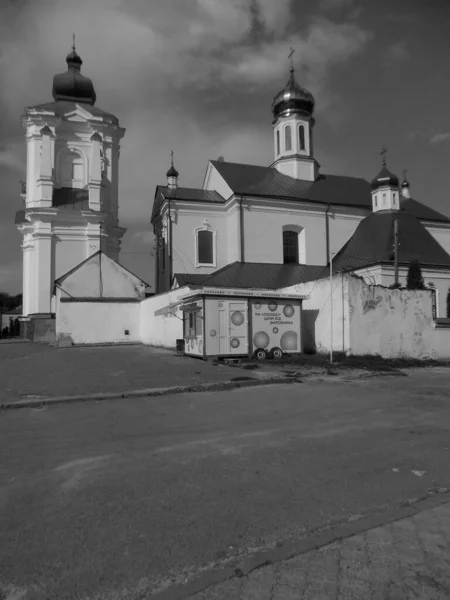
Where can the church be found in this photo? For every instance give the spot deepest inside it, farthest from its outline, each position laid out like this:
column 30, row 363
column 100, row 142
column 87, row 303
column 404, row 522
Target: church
column 249, row 228
column 291, row 213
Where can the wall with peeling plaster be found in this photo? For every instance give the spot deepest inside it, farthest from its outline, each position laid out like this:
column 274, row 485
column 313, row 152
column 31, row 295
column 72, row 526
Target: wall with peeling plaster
column 370, row 319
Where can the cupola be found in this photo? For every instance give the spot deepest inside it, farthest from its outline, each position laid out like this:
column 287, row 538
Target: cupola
column 172, row 176
column 292, row 110
column 406, row 192
column 385, row 189
column 72, row 86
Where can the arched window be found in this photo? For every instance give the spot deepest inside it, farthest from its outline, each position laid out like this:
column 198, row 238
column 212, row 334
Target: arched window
column 384, row 198
column 376, row 200
column 71, row 170
column 205, row 248
column 301, row 137
column 278, row 142
column 394, row 198
column 290, row 247
column 288, row 138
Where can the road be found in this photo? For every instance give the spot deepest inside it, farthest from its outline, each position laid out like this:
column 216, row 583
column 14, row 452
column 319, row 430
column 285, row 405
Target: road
column 116, row 499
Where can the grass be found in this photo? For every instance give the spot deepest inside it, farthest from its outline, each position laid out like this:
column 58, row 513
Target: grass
column 341, row 361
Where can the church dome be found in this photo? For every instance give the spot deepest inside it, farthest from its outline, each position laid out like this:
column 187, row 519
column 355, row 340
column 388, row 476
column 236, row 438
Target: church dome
column 293, row 99
column 72, row 86
column 383, row 179
column 172, row 172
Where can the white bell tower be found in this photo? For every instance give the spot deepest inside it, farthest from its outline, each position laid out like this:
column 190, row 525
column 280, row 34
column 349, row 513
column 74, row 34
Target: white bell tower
column 385, row 189
column 293, row 124
column 71, row 193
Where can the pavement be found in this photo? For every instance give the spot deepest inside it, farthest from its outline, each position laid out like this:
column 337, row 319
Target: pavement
column 168, row 497
column 405, row 559
column 32, row 372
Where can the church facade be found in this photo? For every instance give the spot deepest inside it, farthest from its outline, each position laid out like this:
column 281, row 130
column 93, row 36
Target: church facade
column 288, row 213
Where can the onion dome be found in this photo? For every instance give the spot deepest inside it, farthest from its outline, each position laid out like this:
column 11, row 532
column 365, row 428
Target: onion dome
column 405, row 182
column 172, row 172
column 384, row 178
column 72, row 86
column 293, row 99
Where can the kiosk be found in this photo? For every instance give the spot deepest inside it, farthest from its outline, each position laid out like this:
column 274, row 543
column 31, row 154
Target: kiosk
column 221, row 322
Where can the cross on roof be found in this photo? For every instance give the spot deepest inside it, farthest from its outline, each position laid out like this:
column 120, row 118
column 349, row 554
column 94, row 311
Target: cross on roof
column 383, row 154
column 291, row 55
column 171, row 156
column 73, row 43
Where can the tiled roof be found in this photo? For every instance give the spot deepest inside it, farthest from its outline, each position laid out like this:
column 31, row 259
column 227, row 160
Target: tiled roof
column 267, row 181
column 373, row 243
column 179, row 193
column 260, row 276
column 333, row 189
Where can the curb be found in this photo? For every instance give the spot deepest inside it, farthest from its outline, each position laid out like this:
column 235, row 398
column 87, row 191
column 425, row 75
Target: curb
column 302, row 546
column 146, row 393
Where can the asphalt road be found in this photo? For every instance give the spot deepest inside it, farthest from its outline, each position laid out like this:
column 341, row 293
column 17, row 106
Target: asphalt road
column 114, row 499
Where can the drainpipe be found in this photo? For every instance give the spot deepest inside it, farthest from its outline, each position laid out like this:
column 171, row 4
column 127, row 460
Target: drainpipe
column 396, row 250
column 327, row 230
column 170, row 248
column 241, row 231
column 157, row 259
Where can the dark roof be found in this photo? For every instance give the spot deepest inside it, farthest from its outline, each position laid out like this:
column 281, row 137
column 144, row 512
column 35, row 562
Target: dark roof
column 422, row 211
column 261, row 275
column 192, row 278
column 268, row 182
column 179, row 193
column 373, row 243
column 384, row 178
column 72, row 85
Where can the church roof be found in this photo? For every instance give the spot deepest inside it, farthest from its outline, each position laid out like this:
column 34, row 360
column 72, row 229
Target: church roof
column 255, row 276
column 373, row 243
column 179, row 193
column 337, row 190
column 267, row 182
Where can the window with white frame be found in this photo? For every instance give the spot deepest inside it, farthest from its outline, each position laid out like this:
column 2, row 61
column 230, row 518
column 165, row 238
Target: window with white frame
column 205, row 247
column 278, row 142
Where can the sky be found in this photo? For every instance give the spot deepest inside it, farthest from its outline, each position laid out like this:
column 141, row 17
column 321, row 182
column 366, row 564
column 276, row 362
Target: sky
column 198, row 77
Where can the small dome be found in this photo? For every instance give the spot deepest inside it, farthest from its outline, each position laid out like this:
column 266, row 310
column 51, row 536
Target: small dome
column 384, row 178
column 72, row 86
column 293, row 99
column 172, row 172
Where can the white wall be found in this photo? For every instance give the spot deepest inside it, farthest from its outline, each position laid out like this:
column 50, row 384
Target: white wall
column 102, row 277
column 162, row 330
column 318, row 313
column 97, row 322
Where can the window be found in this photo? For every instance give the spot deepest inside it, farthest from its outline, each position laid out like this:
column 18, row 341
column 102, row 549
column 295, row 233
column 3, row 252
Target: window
column 290, row 247
column 301, row 137
column 71, row 170
column 376, row 201
column 394, row 199
column 288, row 138
column 384, row 198
column 278, row 142
column 205, row 247
column 193, row 324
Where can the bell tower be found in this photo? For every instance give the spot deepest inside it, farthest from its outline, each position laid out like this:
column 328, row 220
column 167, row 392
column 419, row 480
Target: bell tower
column 293, row 124
column 71, row 193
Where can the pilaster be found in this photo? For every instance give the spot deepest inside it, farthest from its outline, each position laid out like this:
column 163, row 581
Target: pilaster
column 45, row 179
column 42, row 269
column 95, row 175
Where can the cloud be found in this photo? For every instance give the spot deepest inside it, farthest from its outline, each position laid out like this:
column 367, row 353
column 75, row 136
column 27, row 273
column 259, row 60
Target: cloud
column 329, row 5
column 197, row 76
column 440, row 137
column 398, row 52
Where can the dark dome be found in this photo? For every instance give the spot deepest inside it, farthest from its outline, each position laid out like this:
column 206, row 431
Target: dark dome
column 72, row 85
column 384, row 178
column 172, row 172
column 293, row 99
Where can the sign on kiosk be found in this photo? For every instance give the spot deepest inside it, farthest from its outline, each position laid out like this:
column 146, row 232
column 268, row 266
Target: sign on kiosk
column 276, row 324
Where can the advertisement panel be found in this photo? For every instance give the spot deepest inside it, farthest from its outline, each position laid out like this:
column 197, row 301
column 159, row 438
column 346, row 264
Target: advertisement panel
column 276, row 324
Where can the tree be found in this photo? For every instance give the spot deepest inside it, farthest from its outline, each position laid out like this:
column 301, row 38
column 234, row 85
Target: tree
column 414, row 280
column 448, row 304
column 8, row 302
